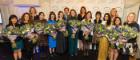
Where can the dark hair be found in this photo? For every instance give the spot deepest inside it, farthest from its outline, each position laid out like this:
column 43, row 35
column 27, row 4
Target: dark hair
column 23, row 19
column 87, row 13
column 41, row 13
column 10, row 19
column 116, row 19
column 109, row 18
column 52, row 13
column 66, row 8
column 98, row 12
column 59, row 14
column 74, row 11
column 83, row 7
column 32, row 8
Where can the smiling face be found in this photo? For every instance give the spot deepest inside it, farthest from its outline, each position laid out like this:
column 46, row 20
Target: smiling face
column 83, row 10
column 52, row 17
column 131, row 18
column 73, row 13
column 88, row 15
column 117, row 21
column 114, row 12
column 14, row 20
column 106, row 17
column 41, row 16
column 26, row 17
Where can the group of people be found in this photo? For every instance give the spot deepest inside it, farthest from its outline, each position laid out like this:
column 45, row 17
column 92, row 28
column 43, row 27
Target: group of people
column 76, row 39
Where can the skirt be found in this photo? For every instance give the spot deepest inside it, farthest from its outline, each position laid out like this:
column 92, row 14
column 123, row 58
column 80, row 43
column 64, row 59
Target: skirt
column 52, row 42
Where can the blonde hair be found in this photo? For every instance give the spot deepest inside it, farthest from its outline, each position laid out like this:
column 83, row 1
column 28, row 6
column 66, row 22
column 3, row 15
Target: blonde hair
column 133, row 15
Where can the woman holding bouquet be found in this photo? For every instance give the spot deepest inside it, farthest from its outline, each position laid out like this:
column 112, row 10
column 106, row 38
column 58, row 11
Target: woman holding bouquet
column 86, row 33
column 16, row 41
column 96, row 22
column 104, row 43
column 33, row 13
column 73, row 33
column 42, row 38
column 113, row 55
column 133, row 24
column 61, row 38
column 28, row 43
column 81, row 16
column 51, row 37
column 113, row 14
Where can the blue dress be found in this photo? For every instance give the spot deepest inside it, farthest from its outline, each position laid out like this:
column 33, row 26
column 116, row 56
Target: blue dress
column 51, row 40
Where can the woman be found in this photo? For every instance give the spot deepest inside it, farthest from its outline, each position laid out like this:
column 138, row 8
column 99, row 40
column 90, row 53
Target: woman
column 61, row 39
column 28, row 44
column 81, row 16
column 103, row 44
column 96, row 22
column 66, row 13
column 98, row 16
column 17, row 44
column 86, row 34
column 73, row 34
column 113, row 13
column 133, row 24
column 51, row 40
column 113, row 55
column 106, row 20
column 33, row 13
column 43, row 39
column 41, row 17
column 73, row 15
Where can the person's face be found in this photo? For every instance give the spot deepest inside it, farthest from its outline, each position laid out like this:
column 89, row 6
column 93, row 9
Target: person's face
column 33, row 11
column 41, row 16
column 73, row 13
column 114, row 12
column 88, row 16
column 131, row 17
column 52, row 17
column 66, row 11
column 98, row 16
column 83, row 10
column 61, row 15
column 26, row 17
column 106, row 17
column 14, row 20
column 117, row 22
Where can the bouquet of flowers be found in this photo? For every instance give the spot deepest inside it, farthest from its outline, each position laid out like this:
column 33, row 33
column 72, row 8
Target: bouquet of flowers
column 100, row 29
column 75, row 24
column 112, row 35
column 26, row 28
column 128, row 32
column 12, row 33
column 50, row 29
column 38, row 26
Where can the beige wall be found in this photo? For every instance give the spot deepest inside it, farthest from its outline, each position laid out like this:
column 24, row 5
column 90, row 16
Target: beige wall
column 14, row 6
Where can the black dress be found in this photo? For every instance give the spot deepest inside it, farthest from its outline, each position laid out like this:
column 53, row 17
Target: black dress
column 60, row 43
column 80, row 18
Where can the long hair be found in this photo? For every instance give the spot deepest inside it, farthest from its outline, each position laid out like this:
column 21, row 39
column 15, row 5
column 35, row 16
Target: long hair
column 10, row 20
column 59, row 14
column 74, row 12
column 40, row 14
column 116, row 19
column 109, row 19
column 88, row 13
column 32, row 8
column 52, row 13
column 23, row 18
column 83, row 7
